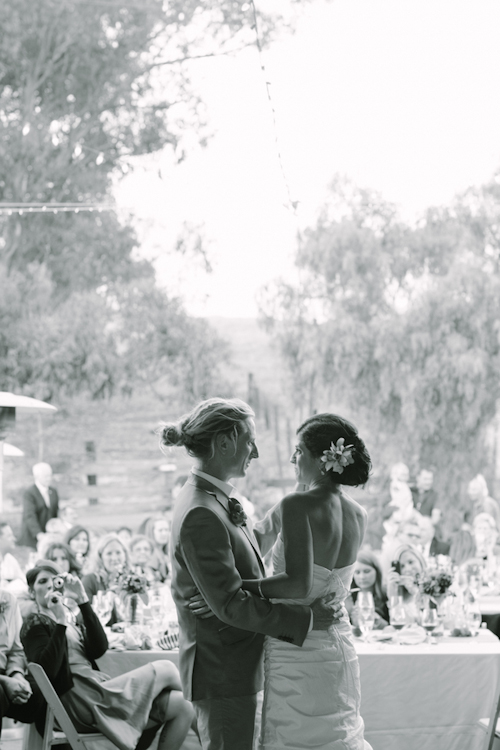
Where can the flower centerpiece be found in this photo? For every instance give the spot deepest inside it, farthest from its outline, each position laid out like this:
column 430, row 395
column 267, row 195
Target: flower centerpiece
column 133, row 590
column 435, row 586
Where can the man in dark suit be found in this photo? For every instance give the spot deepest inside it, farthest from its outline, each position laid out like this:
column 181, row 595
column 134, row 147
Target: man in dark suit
column 40, row 503
column 213, row 549
column 424, row 497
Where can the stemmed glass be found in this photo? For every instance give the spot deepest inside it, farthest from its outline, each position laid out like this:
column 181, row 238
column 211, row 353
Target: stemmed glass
column 366, row 612
column 473, row 617
column 397, row 613
column 430, row 621
column 102, row 604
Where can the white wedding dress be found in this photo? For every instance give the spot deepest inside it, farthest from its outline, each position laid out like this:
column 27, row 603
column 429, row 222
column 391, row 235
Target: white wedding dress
column 312, row 693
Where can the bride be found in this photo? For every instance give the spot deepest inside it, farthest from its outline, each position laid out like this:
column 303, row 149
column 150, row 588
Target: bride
column 312, row 693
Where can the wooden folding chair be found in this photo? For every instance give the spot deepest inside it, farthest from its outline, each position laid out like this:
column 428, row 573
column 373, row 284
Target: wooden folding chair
column 492, row 741
column 57, row 712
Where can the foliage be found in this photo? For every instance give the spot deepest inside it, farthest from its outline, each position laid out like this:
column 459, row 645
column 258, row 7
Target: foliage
column 83, row 88
column 399, row 326
column 101, row 342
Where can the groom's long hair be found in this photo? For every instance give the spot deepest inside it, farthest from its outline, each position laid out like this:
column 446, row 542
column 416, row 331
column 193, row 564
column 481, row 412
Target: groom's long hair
column 197, row 430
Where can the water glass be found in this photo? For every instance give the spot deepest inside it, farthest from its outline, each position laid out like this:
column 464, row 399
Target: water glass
column 473, row 617
column 366, row 612
column 102, row 604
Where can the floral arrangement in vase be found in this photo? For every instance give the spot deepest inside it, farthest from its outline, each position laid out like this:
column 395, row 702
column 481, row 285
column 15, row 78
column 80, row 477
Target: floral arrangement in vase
column 133, row 590
column 435, row 585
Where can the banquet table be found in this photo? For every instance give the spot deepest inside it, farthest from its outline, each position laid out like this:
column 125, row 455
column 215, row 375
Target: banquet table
column 422, row 697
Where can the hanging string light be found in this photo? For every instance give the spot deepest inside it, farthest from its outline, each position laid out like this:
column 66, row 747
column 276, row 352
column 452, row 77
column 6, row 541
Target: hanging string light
column 46, row 208
column 292, row 203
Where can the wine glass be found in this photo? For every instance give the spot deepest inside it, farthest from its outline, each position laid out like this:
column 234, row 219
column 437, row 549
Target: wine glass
column 473, row 617
column 102, row 604
column 366, row 612
column 430, row 621
column 397, row 613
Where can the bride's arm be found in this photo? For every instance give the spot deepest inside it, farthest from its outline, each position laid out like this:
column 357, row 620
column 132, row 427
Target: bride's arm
column 297, row 580
column 267, row 530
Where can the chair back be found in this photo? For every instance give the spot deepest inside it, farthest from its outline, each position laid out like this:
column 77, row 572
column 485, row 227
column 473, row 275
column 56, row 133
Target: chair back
column 491, row 727
column 55, row 709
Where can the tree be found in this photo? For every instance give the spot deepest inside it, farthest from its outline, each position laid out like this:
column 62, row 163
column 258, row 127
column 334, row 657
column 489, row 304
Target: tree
column 84, row 86
column 103, row 343
column 408, row 322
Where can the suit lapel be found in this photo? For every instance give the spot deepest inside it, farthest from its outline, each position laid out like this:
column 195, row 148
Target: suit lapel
column 223, row 500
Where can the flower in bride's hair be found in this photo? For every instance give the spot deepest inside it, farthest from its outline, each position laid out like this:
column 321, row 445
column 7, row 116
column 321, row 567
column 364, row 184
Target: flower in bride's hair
column 337, row 457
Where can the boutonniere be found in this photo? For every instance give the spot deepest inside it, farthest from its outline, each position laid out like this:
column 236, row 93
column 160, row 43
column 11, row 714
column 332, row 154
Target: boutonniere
column 4, row 606
column 236, row 513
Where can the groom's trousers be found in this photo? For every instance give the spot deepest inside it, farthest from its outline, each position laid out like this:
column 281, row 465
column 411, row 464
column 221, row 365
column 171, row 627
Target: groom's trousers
column 226, row 723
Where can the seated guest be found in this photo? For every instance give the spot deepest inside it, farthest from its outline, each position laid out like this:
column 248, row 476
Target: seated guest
column 12, row 577
column 68, row 515
column 110, row 561
column 462, row 547
column 78, row 539
column 368, row 577
column 420, row 533
column 125, row 534
column 158, row 530
column 480, row 501
column 485, row 533
column 55, row 530
column 122, row 708
column 63, row 556
column 20, row 698
column 141, row 550
column 407, row 566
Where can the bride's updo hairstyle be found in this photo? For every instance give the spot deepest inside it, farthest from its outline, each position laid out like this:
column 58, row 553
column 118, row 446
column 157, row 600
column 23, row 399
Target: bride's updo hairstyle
column 197, row 430
column 320, row 431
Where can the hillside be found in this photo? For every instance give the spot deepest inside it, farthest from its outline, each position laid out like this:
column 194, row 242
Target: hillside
column 252, row 352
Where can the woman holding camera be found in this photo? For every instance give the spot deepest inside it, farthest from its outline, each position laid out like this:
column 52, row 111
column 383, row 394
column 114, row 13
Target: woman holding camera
column 408, row 565
column 125, row 708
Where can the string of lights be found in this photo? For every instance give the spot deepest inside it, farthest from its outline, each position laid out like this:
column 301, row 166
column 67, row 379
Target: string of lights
column 54, row 208
column 292, row 203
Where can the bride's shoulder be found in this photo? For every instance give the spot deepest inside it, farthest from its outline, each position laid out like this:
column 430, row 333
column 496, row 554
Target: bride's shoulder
column 353, row 505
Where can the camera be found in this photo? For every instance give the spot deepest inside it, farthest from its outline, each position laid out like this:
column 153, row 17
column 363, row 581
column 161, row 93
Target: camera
column 396, row 566
column 58, row 583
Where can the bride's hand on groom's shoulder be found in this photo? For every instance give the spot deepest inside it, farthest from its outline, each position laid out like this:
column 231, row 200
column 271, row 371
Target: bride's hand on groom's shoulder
column 199, row 607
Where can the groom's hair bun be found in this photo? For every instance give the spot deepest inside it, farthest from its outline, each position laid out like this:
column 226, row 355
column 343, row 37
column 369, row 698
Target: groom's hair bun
column 171, row 434
column 197, row 430
column 321, row 430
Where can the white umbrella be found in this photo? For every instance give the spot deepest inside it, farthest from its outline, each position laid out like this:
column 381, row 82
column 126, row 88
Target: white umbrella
column 24, row 404
column 11, row 450
column 10, row 405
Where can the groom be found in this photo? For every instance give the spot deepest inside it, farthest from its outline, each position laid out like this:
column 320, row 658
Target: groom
column 213, row 549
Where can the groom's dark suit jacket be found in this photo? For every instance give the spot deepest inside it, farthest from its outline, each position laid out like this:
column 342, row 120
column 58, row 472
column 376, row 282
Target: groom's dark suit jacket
column 36, row 514
column 221, row 656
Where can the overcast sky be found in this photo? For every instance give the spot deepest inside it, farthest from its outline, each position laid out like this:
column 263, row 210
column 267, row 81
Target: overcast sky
column 402, row 96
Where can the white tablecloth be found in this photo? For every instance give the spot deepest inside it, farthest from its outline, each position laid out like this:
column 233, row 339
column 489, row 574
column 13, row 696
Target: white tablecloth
column 412, row 697
column 428, row 697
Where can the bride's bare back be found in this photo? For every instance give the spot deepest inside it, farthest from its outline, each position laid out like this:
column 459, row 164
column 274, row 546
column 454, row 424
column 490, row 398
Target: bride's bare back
column 337, row 526
column 322, row 525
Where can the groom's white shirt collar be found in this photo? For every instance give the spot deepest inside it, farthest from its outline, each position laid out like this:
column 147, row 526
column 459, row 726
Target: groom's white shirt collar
column 225, row 487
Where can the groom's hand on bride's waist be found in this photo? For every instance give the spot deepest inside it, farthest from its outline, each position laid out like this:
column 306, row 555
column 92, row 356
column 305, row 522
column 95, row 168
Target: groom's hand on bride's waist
column 325, row 613
column 199, row 607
